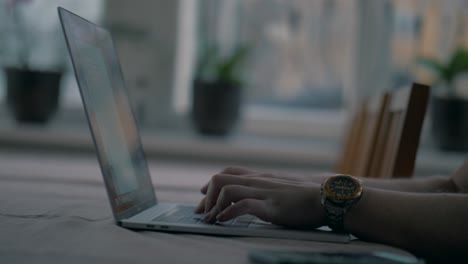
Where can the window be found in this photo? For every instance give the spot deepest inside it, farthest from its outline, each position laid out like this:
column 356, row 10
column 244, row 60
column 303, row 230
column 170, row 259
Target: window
column 429, row 29
column 300, row 57
column 33, row 27
column 301, row 51
column 309, row 60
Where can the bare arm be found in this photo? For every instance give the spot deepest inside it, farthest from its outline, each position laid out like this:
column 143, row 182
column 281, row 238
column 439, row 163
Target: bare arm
column 420, row 185
column 430, row 225
column 433, row 184
column 457, row 183
column 459, row 179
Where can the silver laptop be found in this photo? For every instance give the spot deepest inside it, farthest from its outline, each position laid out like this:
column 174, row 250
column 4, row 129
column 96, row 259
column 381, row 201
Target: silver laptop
column 117, row 141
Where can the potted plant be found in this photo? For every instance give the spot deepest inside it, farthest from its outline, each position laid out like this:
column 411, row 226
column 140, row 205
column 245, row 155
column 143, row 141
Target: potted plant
column 217, row 91
column 32, row 92
column 449, row 110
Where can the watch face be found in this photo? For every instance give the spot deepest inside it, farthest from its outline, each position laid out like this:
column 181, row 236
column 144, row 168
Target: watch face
column 342, row 187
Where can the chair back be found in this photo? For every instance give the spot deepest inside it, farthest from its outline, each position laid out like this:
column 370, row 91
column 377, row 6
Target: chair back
column 362, row 135
column 352, row 140
column 384, row 134
column 400, row 133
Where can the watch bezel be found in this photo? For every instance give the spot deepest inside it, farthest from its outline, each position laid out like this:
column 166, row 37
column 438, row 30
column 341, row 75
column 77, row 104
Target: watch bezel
column 332, row 195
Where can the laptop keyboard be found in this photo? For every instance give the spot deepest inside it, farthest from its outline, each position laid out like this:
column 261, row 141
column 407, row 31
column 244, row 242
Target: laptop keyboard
column 185, row 215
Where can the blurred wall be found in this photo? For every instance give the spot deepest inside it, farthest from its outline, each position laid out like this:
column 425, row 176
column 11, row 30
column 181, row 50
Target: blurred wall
column 145, row 34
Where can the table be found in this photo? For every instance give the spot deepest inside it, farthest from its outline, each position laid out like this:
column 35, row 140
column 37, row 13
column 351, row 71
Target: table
column 54, row 209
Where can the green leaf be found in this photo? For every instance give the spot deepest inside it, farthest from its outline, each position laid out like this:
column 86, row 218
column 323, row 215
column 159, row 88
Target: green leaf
column 432, row 64
column 457, row 64
column 212, row 66
column 207, row 59
column 230, row 67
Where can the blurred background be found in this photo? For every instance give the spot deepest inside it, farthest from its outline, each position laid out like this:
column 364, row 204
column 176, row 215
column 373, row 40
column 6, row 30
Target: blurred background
column 249, row 82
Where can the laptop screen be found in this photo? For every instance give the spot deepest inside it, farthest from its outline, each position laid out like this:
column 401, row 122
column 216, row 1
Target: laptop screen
column 111, row 120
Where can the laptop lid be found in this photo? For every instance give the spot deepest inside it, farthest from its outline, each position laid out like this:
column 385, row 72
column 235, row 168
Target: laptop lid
column 109, row 114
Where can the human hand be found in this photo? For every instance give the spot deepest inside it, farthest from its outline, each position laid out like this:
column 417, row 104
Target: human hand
column 207, row 203
column 244, row 172
column 271, row 199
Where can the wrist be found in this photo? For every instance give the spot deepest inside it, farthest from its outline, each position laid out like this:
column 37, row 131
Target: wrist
column 316, row 213
column 320, row 212
column 338, row 194
column 353, row 221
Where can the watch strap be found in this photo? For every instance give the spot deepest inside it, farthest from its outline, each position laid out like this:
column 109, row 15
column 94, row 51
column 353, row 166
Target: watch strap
column 335, row 216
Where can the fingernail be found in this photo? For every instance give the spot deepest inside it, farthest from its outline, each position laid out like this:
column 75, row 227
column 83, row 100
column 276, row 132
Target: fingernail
column 206, row 218
column 221, row 217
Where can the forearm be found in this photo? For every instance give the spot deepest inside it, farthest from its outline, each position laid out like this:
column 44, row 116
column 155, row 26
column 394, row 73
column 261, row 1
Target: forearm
column 419, row 185
column 429, row 225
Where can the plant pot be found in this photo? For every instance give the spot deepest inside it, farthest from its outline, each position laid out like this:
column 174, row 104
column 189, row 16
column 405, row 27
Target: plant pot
column 32, row 96
column 215, row 107
column 450, row 123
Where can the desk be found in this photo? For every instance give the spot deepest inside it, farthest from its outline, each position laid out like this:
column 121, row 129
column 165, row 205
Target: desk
column 54, row 209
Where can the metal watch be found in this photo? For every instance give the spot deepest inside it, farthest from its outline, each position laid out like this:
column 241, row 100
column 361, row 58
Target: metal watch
column 338, row 194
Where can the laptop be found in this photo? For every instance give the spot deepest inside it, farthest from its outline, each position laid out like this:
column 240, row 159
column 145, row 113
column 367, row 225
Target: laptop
column 120, row 154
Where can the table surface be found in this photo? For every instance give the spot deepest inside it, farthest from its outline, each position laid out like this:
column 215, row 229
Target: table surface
column 55, row 210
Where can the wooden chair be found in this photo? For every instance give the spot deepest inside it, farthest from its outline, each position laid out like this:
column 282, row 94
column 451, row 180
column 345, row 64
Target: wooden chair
column 377, row 108
column 362, row 136
column 384, row 134
column 345, row 164
column 398, row 140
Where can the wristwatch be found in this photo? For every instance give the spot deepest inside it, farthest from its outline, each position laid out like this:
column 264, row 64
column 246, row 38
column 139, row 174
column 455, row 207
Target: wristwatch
column 339, row 193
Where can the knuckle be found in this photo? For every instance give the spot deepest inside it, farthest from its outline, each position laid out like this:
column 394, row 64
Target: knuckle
column 216, row 180
column 244, row 203
column 230, row 169
column 258, row 179
column 255, row 182
column 228, row 191
column 250, row 181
